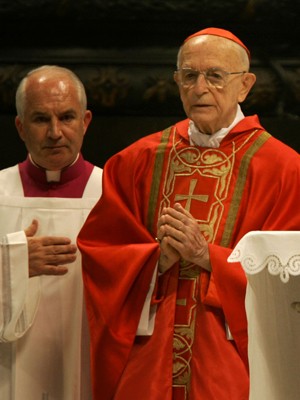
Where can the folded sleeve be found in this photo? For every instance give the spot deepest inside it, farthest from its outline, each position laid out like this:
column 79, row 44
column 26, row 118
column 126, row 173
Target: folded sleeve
column 19, row 295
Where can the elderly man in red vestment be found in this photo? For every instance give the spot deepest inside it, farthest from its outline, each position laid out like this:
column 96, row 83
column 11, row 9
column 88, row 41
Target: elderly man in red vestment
column 155, row 246
column 44, row 338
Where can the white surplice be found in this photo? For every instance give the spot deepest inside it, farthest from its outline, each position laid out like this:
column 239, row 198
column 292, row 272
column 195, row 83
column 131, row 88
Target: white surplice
column 271, row 261
column 44, row 349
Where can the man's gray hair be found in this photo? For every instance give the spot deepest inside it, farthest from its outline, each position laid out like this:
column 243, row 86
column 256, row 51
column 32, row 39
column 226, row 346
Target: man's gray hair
column 21, row 90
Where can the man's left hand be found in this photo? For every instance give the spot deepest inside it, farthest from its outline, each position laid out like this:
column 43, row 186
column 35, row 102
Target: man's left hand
column 180, row 230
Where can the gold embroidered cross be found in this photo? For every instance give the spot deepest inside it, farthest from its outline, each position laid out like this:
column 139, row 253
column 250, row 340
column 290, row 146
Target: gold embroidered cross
column 189, row 197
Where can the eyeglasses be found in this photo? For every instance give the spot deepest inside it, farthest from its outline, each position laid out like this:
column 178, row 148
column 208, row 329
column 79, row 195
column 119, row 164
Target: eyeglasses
column 214, row 77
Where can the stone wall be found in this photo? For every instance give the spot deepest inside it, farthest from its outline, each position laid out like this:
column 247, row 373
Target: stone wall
column 125, row 53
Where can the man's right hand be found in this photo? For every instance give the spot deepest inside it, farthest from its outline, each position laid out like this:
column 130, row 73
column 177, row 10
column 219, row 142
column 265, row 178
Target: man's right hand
column 48, row 254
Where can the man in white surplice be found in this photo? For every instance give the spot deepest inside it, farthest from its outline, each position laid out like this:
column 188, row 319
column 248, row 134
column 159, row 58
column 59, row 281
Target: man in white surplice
column 44, row 341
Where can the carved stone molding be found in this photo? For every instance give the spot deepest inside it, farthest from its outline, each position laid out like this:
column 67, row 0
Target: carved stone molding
column 140, row 81
column 125, row 53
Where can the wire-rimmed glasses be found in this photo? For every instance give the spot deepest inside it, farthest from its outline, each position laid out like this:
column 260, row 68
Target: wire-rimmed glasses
column 214, row 77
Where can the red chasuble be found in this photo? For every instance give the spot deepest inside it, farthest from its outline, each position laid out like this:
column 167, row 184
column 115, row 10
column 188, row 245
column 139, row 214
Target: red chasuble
column 251, row 182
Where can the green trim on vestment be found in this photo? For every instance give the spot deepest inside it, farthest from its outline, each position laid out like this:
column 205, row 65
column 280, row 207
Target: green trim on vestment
column 239, row 188
column 156, row 178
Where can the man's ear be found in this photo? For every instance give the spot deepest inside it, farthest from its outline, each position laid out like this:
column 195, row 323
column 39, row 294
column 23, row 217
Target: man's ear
column 248, row 81
column 19, row 126
column 176, row 78
column 87, row 119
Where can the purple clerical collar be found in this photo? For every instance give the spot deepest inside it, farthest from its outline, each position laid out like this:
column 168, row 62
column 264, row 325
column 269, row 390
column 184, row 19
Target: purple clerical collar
column 39, row 175
column 52, row 176
column 73, row 180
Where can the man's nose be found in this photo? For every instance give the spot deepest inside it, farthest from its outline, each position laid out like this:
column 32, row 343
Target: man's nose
column 201, row 83
column 54, row 130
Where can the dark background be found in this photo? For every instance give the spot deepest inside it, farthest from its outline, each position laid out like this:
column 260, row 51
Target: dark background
column 125, row 53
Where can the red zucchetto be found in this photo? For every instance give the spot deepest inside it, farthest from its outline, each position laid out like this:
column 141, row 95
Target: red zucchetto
column 219, row 32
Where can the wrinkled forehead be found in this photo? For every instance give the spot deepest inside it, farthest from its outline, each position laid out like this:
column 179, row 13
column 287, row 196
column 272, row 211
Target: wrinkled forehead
column 211, row 51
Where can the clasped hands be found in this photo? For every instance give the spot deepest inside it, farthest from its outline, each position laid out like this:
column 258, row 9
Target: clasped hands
column 179, row 237
column 47, row 255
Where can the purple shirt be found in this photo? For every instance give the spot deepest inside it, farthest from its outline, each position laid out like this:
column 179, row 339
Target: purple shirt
column 71, row 185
